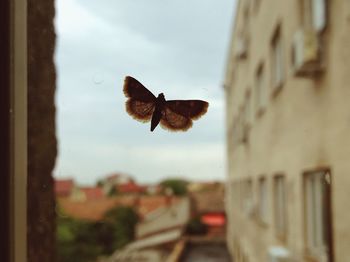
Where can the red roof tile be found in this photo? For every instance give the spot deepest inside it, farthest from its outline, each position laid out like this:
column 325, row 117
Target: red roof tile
column 148, row 204
column 95, row 209
column 63, row 187
column 92, row 192
column 130, row 187
column 88, row 210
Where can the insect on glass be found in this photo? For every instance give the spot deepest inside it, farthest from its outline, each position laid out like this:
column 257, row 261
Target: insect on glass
column 174, row 115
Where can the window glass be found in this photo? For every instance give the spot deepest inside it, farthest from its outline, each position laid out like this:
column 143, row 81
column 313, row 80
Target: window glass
column 280, row 205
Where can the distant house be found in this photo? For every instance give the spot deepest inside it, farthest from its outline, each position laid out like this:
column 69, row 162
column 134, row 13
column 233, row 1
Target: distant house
column 64, row 187
column 154, row 189
column 158, row 233
column 148, row 204
column 114, row 180
column 95, row 206
column 86, row 193
column 130, row 188
column 91, row 210
column 203, row 186
column 209, row 206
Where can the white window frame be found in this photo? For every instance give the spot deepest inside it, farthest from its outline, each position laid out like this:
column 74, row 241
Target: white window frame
column 277, row 60
column 316, row 225
column 248, row 110
column 263, row 205
column 248, row 204
column 260, row 94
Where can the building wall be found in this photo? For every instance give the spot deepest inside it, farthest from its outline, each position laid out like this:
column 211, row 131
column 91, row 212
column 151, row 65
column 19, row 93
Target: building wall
column 304, row 126
column 165, row 218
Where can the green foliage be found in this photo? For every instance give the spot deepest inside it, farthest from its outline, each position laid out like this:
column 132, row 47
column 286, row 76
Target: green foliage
column 113, row 192
column 79, row 241
column 196, row 227
column 178, row 186
column 124, row 220
column 99, row 183
column 76, row 241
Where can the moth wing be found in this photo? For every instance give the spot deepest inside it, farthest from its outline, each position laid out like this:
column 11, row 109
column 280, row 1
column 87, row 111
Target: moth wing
column 173, row 121
column 134, row 89
column 140, row 110
column 192, row 109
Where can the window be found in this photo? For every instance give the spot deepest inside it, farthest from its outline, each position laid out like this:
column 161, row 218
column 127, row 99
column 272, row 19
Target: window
column 314, row 14
column 280, row 209
column 235, row 130
column 260, row 91
column 248, row 109
column 263, row 200
column 256, row 5
column 317, row 211
column 277, row 61
column 248, row 204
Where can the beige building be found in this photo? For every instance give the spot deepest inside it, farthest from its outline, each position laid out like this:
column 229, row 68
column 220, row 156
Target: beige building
column 288, row 131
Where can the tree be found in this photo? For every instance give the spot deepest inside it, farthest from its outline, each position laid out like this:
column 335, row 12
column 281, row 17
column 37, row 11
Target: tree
column 178, row 186
column 123, row 220
column 79, row 241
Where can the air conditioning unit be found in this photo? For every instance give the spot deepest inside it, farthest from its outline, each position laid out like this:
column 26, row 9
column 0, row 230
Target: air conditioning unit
column 278, row 254
column 242, row 47
column 306, row 56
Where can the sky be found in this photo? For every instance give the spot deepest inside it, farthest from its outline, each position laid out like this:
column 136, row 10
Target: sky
column 175, row 47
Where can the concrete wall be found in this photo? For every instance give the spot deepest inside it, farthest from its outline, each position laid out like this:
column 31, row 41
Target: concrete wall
column 305, row 126
column 165, row 218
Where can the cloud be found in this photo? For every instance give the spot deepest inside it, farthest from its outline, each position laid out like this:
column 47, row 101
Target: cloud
column 175, row 47
column 150, row 163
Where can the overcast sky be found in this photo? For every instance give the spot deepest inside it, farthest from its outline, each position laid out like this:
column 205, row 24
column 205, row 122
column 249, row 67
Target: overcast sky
column 177, row 47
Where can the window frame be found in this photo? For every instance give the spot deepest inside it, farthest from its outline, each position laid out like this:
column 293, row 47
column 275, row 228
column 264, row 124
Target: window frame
column 260, row 92
column 317, row 251
column 16, row 13
column 280, row 233
column 263, row 201
column 277, row 61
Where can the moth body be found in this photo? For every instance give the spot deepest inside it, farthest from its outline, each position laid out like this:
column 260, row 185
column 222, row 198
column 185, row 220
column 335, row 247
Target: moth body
column 157, row 114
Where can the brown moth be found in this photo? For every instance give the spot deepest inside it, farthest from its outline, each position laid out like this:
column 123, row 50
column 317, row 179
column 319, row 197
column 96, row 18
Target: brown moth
column 174, row 115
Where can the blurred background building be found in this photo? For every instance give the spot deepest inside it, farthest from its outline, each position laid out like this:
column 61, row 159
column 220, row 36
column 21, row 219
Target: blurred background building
column 288, row 122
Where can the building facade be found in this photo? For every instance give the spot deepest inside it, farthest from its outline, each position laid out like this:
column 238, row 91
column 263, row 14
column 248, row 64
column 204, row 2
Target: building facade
column 288, row 126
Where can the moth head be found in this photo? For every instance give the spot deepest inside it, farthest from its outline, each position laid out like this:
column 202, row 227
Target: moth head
column 161, row 96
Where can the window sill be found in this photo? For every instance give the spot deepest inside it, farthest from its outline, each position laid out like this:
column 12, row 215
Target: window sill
column 310, row 258
column 281, row 238
column 277, row 89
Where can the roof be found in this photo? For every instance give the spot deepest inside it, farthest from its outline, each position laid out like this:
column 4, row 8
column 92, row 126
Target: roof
column 89, row 210
column 148, row 204
column 93, row 210
column 63, row 187
column 130, row 187
column 163, row 219
column 92, row 192
column 209, row 201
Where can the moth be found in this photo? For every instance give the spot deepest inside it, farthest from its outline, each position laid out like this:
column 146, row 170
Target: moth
column 173, row 115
